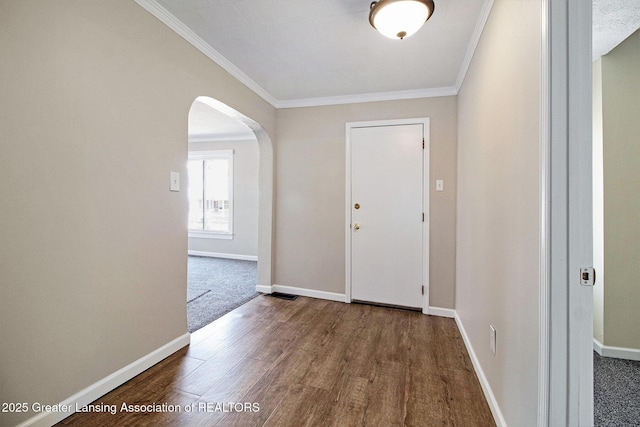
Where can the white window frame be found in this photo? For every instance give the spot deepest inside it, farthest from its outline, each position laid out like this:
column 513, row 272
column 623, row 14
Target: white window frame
column 216, row 154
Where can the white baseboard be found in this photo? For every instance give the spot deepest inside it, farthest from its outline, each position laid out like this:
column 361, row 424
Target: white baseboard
column 312, row 293
column 616, row 352
column 484, row 383
column 331, row 296
column 220, row 255
column 597, row 346
column 264, row 289
column 107, row 384
column 441, row 312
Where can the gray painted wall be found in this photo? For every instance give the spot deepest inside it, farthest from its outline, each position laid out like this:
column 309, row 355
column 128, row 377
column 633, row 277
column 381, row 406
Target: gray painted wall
column 93, row 255
column 310, row 176
column 598, row 204
column 621, row 152
column 497, row 269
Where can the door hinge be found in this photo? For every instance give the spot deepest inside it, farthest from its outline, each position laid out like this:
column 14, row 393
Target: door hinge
column 422, row 289
column 423, row 143
column 587, row 276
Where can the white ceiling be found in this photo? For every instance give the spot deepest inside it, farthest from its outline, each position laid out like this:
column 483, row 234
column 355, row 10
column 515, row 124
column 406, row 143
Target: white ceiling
column 309, row 49
column 613, row 21
column 315, row 52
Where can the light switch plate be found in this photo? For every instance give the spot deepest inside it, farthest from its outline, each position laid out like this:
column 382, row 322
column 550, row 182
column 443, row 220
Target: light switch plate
column 174, row 181
column 439, row 185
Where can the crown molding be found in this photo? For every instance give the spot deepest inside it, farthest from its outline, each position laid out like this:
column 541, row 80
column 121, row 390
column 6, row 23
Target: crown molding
column 368, row 97
column 473, row 43
column 186, row 33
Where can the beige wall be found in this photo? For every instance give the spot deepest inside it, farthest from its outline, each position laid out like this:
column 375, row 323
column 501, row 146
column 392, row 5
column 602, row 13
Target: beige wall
column 621, row 130
column 598, row 204
column 497, row 274
column 245, row 200
column 94, row 102
column 310, row 187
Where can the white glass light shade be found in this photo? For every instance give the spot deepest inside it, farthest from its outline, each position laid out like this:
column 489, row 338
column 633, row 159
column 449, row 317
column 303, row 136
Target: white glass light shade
column 398, row 19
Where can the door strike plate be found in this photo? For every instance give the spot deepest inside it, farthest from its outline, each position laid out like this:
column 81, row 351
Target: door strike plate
column 587, row 276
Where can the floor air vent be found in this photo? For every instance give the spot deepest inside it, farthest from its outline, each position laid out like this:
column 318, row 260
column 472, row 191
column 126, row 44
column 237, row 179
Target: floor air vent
column 280, row 295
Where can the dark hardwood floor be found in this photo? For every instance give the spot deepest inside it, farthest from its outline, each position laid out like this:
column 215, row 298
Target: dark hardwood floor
column 308, row 362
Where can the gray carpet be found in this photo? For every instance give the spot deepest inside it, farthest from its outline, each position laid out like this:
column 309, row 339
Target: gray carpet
column 616, row 392
column 215, row 286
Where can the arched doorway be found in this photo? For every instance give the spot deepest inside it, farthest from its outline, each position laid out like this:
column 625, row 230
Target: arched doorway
column 210, row 123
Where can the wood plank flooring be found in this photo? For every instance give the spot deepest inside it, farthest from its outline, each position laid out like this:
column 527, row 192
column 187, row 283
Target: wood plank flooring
column 308, row 362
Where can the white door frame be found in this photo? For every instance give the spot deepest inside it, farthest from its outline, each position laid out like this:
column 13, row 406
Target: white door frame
column 566, row 307
column 424, row 121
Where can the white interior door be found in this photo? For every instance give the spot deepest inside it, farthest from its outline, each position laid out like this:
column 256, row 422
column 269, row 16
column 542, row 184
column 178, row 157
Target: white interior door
column 387, row 214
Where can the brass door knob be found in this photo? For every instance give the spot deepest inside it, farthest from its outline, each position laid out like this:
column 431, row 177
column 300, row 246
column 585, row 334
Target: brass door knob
column 357, row 206
column 356, row 226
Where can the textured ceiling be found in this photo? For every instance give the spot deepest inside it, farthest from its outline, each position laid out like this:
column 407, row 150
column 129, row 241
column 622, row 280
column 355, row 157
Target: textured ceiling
column 304, row 52
column 326, row 48
column 613, row 21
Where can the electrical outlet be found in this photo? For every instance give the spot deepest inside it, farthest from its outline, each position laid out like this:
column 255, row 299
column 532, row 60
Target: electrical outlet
column 492, row 338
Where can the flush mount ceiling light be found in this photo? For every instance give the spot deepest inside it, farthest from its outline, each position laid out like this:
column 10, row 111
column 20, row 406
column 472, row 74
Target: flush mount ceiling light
column 398, row 19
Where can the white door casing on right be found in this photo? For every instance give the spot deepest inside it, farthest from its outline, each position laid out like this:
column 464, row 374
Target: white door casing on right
column 386, row 205
column 566, row 306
